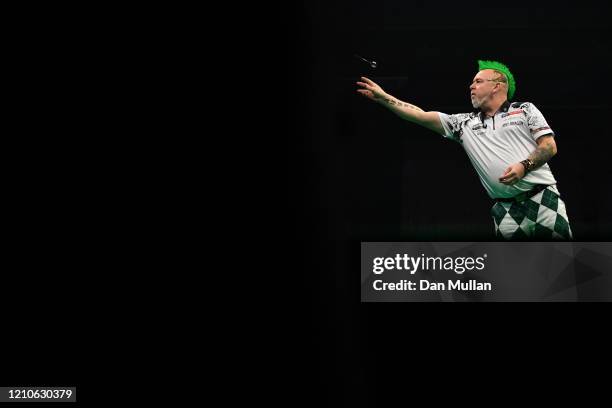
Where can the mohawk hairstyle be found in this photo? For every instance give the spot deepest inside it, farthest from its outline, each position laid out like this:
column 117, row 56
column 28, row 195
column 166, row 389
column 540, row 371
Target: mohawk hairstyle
column 499, row 67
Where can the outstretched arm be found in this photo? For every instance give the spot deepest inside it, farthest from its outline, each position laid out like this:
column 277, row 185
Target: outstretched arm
column 404, row 110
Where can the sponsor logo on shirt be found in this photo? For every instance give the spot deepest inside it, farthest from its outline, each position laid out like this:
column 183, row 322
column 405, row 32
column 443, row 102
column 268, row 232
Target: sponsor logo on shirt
column 514, row 123
column 516, row 112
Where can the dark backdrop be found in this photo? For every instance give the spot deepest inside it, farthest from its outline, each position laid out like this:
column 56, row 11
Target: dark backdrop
column 385, row 178
column 356, row 172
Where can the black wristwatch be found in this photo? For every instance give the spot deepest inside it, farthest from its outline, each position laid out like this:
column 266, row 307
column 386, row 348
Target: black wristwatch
column 528, row 164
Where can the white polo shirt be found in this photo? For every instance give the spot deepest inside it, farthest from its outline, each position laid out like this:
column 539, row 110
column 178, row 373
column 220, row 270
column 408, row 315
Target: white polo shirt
column 492, row 144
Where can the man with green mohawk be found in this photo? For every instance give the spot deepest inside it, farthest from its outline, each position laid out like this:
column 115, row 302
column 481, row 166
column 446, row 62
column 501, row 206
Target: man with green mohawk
column 509, row 145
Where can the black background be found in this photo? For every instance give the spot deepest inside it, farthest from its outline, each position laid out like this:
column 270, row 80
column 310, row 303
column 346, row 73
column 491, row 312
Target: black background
column 342, row 171
column 382, row 178
column 357, row 173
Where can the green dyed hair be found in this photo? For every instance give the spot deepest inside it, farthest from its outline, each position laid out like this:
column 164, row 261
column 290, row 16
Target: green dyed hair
column 499, row 67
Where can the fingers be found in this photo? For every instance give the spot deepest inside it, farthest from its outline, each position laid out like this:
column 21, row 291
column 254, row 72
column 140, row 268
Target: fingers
column 507, row 177
column 510, row 180
column 363, row 85
column 508, row 174
column 366, row 93
column 368, row 80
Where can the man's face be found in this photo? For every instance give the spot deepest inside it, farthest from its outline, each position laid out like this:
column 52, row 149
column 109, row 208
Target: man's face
column 482, row 87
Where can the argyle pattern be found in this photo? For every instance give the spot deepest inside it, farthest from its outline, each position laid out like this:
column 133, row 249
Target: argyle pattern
column 541, row 217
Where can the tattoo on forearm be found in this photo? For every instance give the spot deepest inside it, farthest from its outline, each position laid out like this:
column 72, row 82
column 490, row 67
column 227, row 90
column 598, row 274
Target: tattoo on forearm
column 401, row 104
column 391, row 101
column 541, row 155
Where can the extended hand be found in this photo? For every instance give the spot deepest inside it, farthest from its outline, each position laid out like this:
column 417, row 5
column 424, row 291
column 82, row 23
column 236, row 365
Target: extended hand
column 513, row 174
column 372, row 90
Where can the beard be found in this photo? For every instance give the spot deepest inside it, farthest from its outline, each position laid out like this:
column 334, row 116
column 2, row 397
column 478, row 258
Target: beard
column 476, row 103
